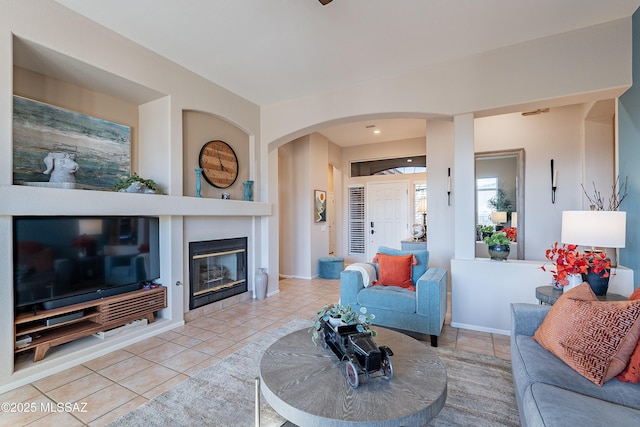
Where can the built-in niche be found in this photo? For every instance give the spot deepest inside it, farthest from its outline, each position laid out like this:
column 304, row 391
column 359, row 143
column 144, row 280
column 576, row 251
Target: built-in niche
column 199, row 128
column 50, row 77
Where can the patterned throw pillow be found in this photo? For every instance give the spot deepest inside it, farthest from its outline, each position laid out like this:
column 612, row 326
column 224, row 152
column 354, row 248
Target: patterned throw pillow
column 394, row 270
column 631, row 374
column 594, row 338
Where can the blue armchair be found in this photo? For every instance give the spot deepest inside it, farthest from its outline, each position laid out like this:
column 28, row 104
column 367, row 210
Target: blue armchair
column 422, row 311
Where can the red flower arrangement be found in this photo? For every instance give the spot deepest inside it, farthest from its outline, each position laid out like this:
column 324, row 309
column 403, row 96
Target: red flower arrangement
column 512, row 233
column 568, row 260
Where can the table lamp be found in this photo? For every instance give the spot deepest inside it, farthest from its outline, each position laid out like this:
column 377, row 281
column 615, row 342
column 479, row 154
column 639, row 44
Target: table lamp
column 422, row 208
column 602, row 229
column 499, row 218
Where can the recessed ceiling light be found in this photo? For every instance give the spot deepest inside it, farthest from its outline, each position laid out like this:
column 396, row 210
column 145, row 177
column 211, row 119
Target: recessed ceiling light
column 376, row 131
column 409, row 160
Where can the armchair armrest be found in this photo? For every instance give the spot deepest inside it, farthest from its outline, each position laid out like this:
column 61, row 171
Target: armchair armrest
column 350, row 285
column 525, row 318
column 431, row 296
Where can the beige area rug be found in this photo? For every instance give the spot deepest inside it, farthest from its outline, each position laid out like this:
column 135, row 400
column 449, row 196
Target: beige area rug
column 480, row 392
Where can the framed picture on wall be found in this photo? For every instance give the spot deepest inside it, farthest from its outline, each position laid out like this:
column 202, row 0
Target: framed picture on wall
column 320, row 206
column 100, row 149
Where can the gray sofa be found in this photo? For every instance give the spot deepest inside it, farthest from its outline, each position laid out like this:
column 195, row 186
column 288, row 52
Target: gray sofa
column 422, row 311
column 550, row 393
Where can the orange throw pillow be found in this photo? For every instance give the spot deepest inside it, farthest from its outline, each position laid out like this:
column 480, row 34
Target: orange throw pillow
column 395, row 270
column 631, row 374
column 594, row 338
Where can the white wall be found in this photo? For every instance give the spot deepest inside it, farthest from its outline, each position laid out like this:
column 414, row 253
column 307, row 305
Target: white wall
column 555, row 70
column 549, row 72
column 303, row 165
column 440, row 236
column 555, row 135
column 101, row 61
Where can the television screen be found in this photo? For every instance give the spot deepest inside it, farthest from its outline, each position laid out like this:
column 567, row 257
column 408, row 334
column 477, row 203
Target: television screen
column 60, row 261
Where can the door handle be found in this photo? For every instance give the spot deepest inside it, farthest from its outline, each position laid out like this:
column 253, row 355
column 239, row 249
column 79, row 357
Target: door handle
column 371, row 224
column 373, row 231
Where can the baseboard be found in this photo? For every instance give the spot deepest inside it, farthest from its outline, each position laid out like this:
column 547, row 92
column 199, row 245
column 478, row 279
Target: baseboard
column 289, row 276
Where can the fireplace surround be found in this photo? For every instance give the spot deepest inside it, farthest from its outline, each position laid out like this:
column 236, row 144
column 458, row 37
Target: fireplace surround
column 217, row 270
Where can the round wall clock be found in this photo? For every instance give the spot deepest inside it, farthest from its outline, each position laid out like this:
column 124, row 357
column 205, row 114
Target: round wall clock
column 219, row 164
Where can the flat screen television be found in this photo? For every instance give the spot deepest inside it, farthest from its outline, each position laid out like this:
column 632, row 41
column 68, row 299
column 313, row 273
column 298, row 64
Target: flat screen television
column 64, row 260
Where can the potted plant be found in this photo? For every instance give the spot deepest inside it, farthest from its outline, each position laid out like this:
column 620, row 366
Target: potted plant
column 337, row 314
column 569, row 264
column 123, row 183
column 499, row 245
column 484, row 231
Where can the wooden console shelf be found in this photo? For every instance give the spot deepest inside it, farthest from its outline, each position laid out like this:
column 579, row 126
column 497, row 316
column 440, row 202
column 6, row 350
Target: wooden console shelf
column 86, row 318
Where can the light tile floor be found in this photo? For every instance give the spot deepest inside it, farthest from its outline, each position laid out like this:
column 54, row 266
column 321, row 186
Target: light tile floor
column 100, row 391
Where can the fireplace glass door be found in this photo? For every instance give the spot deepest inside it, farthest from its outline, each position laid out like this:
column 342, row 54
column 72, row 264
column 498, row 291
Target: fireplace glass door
column 218, row 270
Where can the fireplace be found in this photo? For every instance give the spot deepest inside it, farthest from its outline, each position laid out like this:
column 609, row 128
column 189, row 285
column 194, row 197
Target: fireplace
column 218, row 270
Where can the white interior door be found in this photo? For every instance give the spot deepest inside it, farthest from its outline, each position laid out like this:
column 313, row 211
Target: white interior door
column 387, row 215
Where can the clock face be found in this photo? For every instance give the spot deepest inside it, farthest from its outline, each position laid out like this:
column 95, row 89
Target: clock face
column 219, row 164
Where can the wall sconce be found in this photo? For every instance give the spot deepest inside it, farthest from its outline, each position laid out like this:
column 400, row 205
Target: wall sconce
column 554, row 182
column 449, row 186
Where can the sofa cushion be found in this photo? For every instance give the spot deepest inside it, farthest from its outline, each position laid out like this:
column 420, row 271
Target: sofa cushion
column 594, row 338
column 632, row 372
column 546, row 405
column 389, row 298
column 532, row 363
column 421, row 255
column 395, row 270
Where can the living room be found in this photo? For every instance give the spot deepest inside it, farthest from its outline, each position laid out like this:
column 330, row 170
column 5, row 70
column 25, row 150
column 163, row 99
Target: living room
column 461, row 101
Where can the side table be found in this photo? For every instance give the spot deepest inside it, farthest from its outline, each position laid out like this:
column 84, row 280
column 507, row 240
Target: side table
column 413, row 245
column 549, row 295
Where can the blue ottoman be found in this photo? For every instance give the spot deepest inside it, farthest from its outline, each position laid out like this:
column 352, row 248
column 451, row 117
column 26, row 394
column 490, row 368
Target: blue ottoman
column 330, row 267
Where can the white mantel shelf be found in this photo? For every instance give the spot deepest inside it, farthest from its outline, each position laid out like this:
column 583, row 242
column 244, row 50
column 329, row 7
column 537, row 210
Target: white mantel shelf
column 18, row 200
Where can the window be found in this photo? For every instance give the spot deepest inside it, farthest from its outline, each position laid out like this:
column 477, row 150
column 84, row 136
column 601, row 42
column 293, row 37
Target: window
column 487, row 188
column 419, row 193
column 356, row 221
column 401, row 165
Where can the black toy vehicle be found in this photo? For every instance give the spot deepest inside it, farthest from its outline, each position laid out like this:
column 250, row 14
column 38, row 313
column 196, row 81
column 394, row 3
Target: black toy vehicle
column 364, row 358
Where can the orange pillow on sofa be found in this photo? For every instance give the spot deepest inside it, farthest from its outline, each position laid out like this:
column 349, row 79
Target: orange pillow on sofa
column 594, row 338
column 395, row 270
column 631, row 374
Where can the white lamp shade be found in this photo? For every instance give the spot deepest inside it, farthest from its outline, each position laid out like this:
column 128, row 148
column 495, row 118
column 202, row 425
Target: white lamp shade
column 514, row 219
column 499, row 217
column 422, row 205
column 603, row 229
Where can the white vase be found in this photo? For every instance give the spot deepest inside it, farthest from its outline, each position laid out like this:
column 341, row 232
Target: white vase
column 574, row 280
column 261, row 282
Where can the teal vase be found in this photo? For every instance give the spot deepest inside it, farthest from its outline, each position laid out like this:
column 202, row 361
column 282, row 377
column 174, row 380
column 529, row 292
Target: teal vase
column 248, row 190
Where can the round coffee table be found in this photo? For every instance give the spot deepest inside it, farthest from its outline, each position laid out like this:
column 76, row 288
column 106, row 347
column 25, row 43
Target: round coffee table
column 306, row 384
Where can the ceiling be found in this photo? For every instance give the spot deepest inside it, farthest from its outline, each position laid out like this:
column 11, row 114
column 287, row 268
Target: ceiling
column 270, row 51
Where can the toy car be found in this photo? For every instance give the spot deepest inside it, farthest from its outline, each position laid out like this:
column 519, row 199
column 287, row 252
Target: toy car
column 364, row 358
